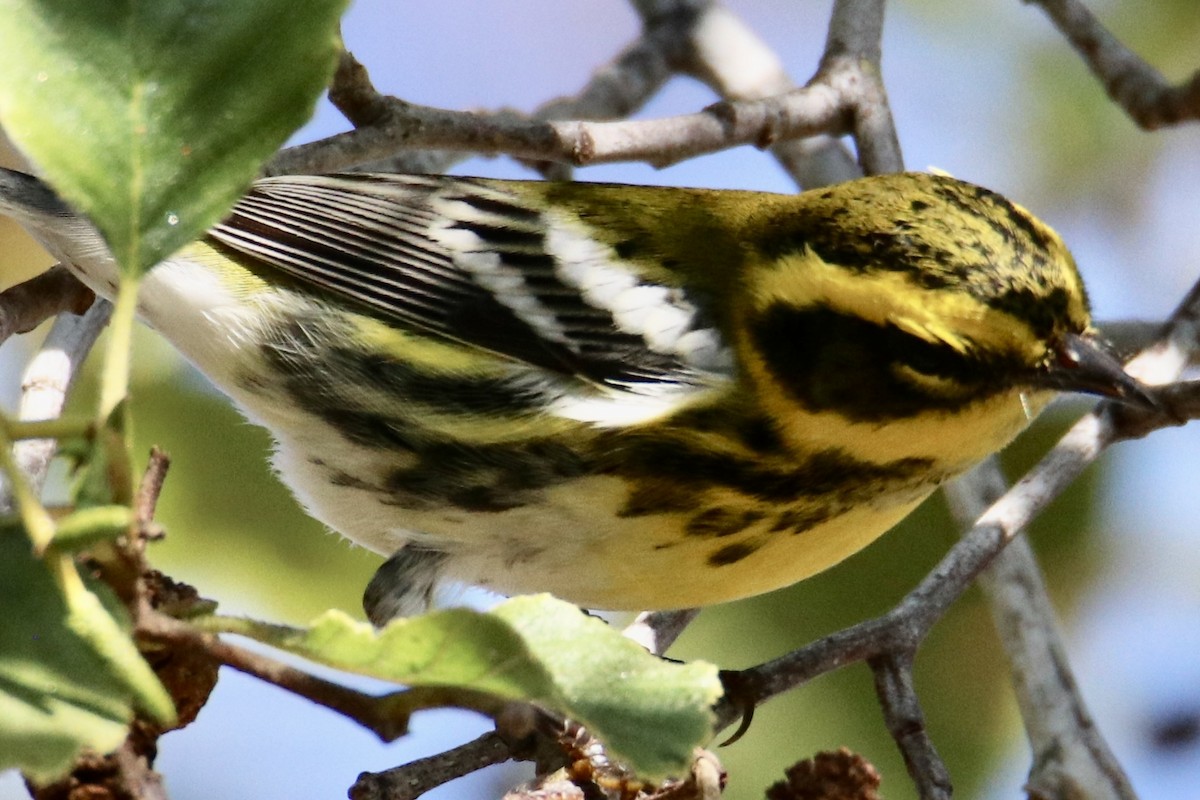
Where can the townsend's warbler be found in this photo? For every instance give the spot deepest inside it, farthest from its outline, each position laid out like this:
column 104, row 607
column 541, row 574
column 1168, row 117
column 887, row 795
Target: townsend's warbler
column 631, row 397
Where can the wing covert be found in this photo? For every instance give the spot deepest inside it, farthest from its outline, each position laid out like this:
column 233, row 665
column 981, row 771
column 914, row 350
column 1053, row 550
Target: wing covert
column 470, row 261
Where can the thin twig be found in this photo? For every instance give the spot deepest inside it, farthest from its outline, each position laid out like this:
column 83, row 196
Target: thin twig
column 352, row 93
column 372, row 712
column 45, row 385
column 617, row 90
column 845, row 92
column 906, row 723
column 413, row 779
column 146, row 500
column 29, row 304
column 657, row 630
column 1069, row 751
column 355, row 95
column 1070, row 755
column 724, row 53
column 1132, row 83
column 613, row 92
column 852, row 61
column 660, row 142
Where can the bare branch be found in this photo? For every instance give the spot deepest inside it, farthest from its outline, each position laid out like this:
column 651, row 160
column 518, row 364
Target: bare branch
column 1069, row 752
column 614, row 91
column 1180, row 403
column 352, row 92
column 657, row 630
column 1070, row 757
column 660, row 142
column 621, row 87
column 413, row 779
column 46, row 382
column 618, row 89
column 373, row 713
column 27, row 305
column 724, row 53
column 763, row 110
column 906, row 723
column 852, row 59
column 1068, row 749
column 1132, row 83
column 730, row 58
column 146, row 500
column 844, row 85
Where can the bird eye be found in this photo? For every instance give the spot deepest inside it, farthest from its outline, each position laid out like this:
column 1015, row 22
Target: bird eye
column 932, row 369
column 925, row 359
column 934, row 360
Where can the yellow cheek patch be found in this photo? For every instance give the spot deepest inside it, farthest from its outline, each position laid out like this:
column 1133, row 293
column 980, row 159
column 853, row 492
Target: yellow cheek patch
column 939, row 316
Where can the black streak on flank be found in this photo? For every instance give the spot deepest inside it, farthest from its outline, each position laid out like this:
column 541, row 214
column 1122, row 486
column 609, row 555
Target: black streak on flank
column 800, row 520
column 448, row 392
column 825, row 474
column 369, row 429
column 731, row 554
column 754, row 431
column 718, row 523
column 481, row 478
column 651, row 496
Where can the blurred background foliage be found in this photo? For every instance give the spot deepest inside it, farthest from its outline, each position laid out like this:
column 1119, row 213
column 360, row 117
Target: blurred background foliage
column 986, row 90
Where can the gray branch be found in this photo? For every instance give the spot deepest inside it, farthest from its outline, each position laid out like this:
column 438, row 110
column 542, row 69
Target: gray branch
column 1132, row 84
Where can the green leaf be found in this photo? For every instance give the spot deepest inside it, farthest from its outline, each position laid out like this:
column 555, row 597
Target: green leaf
column 456, row 647
column 650, row 713
column 57, row 693
column 153, row 117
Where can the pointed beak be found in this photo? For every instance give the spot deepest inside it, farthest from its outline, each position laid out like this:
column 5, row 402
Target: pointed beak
column 1081, row 363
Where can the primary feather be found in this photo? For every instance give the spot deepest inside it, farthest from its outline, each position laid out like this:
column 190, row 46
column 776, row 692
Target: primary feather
column 467, row 262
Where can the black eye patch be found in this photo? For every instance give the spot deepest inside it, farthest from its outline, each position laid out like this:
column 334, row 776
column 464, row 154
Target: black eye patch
column 830, row 361
column 929, row 358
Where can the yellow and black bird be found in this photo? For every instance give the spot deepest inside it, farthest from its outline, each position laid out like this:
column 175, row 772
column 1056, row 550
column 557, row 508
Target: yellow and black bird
column 632, row 397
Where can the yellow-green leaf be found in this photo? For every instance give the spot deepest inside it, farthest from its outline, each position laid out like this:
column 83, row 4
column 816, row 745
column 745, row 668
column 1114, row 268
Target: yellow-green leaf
column 152, row 117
